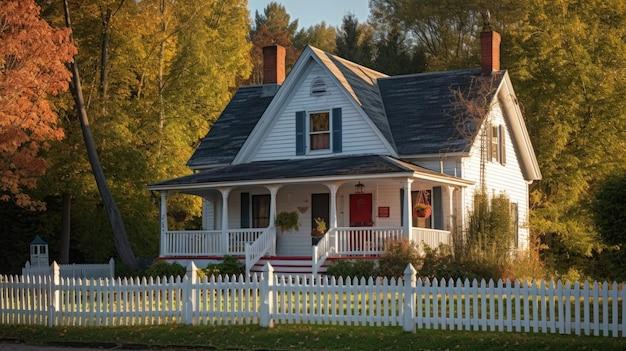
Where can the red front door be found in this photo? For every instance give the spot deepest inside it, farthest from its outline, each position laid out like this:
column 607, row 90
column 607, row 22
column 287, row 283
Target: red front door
column 361, row 210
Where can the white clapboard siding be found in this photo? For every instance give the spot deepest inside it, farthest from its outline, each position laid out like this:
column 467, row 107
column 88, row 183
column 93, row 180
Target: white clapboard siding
column 507, row 179
column 358, row 135
column 502, row 306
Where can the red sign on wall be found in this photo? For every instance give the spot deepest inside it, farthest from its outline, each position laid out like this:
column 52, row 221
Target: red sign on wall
column 383, row 212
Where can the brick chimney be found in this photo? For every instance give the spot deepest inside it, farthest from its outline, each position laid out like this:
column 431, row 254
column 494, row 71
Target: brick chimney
column 273, row 64
column 489, row 47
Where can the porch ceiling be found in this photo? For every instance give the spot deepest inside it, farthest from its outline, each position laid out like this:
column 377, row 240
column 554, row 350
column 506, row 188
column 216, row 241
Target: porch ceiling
column 306, row 170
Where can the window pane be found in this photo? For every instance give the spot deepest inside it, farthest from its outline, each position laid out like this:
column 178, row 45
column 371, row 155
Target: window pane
column 319, row 122
column 320, row 141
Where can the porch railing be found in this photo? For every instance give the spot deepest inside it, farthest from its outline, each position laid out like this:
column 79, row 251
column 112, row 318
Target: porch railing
column 192, row 243
column 237, row 239
column 431, row 237
column 207, row 242
column 365, row 240
column 323, row 249
column 265, row 243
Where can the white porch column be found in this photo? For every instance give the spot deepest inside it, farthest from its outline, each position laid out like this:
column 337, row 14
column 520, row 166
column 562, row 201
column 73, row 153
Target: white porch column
column 225, row 192
column 273, row 192
column 408, row 208
column 333, row 187
column 163, row 216
column 451, row 213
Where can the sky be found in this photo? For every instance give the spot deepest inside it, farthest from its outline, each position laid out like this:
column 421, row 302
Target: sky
column 309, row 12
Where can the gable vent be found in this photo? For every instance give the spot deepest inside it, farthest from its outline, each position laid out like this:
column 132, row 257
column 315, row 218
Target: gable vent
column 318, row 87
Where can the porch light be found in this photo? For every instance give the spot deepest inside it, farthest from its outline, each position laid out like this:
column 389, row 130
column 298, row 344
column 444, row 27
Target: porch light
column 358, row 188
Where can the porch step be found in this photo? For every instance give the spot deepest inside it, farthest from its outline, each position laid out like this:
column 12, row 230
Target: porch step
column 287, row 264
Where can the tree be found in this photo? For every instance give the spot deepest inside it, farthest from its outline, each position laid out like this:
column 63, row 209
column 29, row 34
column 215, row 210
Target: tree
column 393, row 54
column 568, row 64
column 32, row 69
column 355, row 41
column 204, row 59
column 122, row 244
column 273, row 26
column 321, row 35
column 446, row 31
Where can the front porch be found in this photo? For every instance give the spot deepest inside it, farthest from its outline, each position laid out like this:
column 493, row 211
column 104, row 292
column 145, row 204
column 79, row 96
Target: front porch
column 362, row 213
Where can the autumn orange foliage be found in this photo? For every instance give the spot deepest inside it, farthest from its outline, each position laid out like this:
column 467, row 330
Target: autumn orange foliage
column 32, row 69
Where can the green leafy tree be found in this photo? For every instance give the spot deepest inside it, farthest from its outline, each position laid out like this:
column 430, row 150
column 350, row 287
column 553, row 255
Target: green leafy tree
column 355, row 41
column 321, row 35
column 393, row 54
column 569, row 64
column 159, row 104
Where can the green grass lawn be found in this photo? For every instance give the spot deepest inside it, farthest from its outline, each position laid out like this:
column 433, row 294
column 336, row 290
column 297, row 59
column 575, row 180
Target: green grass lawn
column 300, row 337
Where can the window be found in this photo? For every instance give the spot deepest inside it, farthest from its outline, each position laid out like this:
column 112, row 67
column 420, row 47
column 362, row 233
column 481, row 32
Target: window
column 260, row 211
column 319, row 131
column 515, row 222
column 318, row 87
column 497, row 146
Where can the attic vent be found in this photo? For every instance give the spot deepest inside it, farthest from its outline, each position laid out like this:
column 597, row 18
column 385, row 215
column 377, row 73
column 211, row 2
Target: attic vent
column 318, row 87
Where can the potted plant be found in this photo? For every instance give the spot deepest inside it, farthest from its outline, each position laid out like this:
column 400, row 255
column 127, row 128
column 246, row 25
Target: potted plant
column 318, row 231
column 422, row 210
column 287, row 221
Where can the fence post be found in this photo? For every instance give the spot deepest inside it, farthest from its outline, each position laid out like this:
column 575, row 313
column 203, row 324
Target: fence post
column 54, row 293
column 112, row 267
column 408, row 312
column 189, row 289
column 267, row 297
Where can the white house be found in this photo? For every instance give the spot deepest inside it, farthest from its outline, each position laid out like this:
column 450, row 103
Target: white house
column 342, row 142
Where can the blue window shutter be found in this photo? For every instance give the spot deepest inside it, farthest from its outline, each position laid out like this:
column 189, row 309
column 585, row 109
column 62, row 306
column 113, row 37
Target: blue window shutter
column 437, row 208
column 300, row 126
column 245, row 210
column 337, row 130
column 401, row 207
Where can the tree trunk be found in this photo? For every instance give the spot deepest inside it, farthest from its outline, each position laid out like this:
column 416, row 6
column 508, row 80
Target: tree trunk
column 65, row 229
column 160, row 77
column 120, row 238
column 105, row 36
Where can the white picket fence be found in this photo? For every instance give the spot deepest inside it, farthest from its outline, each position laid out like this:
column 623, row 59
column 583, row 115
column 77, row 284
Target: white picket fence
column 532, row 307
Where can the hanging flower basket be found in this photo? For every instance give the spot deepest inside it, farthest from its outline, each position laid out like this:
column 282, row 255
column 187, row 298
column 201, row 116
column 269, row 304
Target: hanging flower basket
column 422, row 210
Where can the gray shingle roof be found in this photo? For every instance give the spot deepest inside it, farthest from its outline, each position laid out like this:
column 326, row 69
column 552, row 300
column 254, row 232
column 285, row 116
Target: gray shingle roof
column 230, row 131
column 413, row 112
column 419, row 109
column 299, row 168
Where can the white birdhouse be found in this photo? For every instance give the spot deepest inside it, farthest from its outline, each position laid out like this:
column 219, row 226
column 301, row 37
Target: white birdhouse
column 39, row 252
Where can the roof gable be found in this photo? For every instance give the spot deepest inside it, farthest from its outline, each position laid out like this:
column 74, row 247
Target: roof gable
column 279, row 138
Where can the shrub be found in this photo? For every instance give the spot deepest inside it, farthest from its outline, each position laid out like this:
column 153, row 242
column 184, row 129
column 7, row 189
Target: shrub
column 229, row 266
column 162, row 268
column 358, row 268
column 490, row 234
column 440, row 263
column 397, row 256
column 526, row 266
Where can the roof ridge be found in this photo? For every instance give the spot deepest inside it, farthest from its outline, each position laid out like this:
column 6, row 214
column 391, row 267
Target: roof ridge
column 423, row 74
column 371, row 70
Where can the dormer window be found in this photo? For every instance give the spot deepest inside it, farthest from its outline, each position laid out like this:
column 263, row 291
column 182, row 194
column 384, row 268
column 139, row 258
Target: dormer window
column 319, row 131
column 318, row 87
